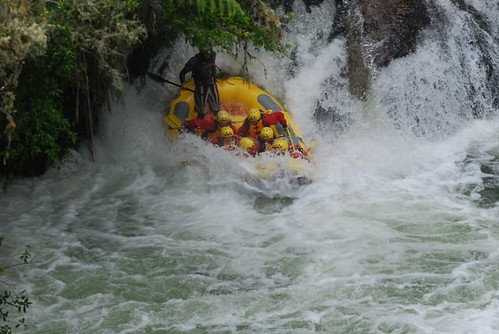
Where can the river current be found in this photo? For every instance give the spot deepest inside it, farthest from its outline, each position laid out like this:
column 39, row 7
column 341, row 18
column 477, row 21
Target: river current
column 397, row 233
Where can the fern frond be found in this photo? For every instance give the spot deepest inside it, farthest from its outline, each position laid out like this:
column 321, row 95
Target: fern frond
column 231, row 8
column 213, row 6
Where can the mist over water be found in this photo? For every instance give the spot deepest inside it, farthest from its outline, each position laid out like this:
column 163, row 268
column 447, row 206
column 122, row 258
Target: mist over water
column 397, row 233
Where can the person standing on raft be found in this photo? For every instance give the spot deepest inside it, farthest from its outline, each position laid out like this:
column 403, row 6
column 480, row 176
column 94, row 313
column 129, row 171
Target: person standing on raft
column 204, row 70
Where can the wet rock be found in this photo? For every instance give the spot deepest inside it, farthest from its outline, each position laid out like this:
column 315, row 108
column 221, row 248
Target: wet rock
column 391, row 28
column 377, row 32
column 288, row 4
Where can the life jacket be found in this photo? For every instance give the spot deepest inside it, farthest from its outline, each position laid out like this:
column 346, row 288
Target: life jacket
column 213, row 135
column 255, row 129
column 200, row 127
column 264, row 146
column 229, row 144
column 268, row 146
column 203, row 70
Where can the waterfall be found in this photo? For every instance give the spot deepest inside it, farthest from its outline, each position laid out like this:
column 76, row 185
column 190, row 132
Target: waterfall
column 398, row 231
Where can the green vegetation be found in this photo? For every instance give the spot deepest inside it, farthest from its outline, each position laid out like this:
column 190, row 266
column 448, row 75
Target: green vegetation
column 225, row 23
column 60, row 61
column 10, row 300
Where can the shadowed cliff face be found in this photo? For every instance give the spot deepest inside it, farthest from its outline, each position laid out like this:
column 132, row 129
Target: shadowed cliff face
column 288, row 4
column 377, row 32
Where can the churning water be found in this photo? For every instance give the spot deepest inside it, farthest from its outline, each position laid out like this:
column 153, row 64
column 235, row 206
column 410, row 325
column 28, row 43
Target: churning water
column 397, row 233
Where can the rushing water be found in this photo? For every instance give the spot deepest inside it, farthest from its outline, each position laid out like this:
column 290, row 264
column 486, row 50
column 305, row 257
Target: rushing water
column 397, row 233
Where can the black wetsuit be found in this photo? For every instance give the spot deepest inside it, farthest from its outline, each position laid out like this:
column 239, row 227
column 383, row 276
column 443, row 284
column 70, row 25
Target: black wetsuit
column 203, row 71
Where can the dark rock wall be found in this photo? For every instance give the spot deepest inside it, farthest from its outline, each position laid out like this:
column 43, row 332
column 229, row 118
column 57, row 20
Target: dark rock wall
column 288, row 4
column 377, row 32
column 392, row 26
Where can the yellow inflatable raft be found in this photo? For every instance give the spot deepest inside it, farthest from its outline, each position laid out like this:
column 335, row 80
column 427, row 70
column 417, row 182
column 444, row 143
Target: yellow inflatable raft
column 237, row 96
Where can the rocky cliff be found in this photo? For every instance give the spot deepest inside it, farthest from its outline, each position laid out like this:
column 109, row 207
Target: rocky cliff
column 376, row 33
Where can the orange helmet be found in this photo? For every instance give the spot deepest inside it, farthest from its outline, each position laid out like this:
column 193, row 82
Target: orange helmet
column 267, row 133
column 254, row 115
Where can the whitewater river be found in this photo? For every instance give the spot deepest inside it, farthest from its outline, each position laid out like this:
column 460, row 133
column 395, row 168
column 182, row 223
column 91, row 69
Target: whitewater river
column 397, row 233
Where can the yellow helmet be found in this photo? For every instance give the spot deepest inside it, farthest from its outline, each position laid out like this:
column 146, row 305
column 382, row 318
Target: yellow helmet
column 281, row 145
column 246, row 143
column 223, row 117
column 226, row 131
column 254, row 115
column 267, row 133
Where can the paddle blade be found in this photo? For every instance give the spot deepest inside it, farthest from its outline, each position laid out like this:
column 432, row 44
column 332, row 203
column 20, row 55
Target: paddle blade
column 156, row 77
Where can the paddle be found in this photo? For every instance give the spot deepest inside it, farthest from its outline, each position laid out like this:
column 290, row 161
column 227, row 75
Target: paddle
column 291, row 139
column 159, row 79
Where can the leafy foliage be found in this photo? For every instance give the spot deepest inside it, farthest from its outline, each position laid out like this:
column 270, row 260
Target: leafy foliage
column 21, row 37
column 226, row 23
column 65, row 83
column 44, row 132
column 98, row 31
column 60, row 60
column 11, row 300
